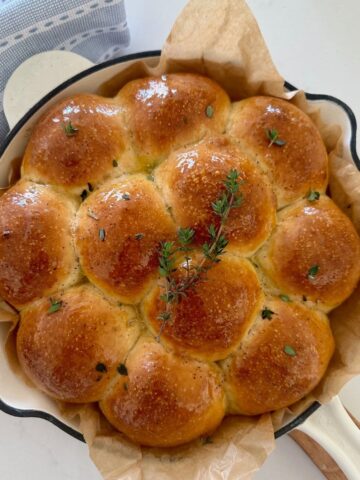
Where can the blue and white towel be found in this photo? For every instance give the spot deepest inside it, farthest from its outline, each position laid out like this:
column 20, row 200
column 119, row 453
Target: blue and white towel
column 95, row 29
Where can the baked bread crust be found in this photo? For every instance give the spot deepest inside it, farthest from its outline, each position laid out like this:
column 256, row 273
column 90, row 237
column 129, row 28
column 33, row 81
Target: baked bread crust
column 37, row 255
column 300, row 164
column 94, row 137
column 165, row 400
column 73, row 353
column 263, row 375
column 105, row 181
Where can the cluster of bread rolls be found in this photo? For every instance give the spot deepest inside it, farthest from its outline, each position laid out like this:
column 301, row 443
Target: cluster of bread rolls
column 104, row 182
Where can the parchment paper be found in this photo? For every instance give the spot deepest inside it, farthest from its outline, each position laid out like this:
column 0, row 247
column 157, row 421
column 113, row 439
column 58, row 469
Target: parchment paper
column 221, row 39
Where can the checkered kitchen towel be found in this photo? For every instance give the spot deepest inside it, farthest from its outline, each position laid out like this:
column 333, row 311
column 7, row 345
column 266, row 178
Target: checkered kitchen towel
column 95, row 29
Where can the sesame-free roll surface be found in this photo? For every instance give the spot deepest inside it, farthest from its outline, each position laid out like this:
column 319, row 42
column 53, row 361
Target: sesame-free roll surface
column 282, row 359
column 76, row 142
column 297, row 160
column 173, row 255
column 163, row 113
column 37, row 254
column 314, row 252
column 119, row 231
column 71, row 345
column 164, row 400
column 213, row 317
column 192, row 178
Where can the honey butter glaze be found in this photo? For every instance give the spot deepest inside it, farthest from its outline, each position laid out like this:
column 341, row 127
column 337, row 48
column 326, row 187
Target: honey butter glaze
column 105, row 182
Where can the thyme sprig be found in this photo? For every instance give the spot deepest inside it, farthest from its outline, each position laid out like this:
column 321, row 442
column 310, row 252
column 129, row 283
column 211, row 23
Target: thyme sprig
column 175, row 286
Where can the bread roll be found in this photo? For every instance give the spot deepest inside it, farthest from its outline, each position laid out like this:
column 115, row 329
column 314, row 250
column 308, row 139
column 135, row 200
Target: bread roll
column 37, row 256
column 314, row 252
column 119, row 230
column 229, row 321
column 164, row 400
column 296, row 166
column 71, row 345
column 76, row 142
column 210, row 322
column 281, row 360
column 191, row 179
column 163, row 113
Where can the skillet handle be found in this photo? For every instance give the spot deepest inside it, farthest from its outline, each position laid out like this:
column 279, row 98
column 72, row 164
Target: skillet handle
column 36, row 77
column 333, row 429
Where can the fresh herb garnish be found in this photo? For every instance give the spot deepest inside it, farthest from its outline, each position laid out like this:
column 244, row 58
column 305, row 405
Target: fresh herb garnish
column 122, row 369
column 125, row 196
column 313, row 196
column 273, row 136
column 206, row 440
column 101, row 367
column 69, row 129
column 139, row 236
column 209, row 111
column 55, row 305
column 289, row 350
column 266, row 313
column 83, row 195
column 92, row 214
column 175, row 289
column 313, row 271
column 285, row 298
column 115, row 163
column 102, row 234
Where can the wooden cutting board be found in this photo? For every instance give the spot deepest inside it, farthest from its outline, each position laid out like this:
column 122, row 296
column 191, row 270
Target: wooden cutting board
column 328, row 467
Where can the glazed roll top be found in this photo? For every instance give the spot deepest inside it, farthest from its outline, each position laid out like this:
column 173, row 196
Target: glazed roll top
column 314, row 253
column 37, row 255
column 281, row 360
column 210, row 322
column 72, row 345
column 191, row 179
column 119, row 230
column 285, row 141
column 76, row 142
column 164, row 400
column 167, row 112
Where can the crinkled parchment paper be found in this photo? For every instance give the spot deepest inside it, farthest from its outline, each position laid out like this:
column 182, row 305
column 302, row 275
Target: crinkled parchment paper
column 221, row 39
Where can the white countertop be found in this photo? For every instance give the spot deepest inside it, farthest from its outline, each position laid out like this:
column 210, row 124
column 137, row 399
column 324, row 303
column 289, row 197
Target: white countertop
column 315, row 45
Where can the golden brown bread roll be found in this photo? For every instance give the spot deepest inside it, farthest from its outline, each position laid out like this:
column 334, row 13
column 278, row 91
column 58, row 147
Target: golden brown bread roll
column 192, row 178
column 295, row 167
column 163, row 113
column 76, row 142
column 120, row 227
column 281, row 360
column 164, row 400
column 314, row 252
column 36, row 250
column 210, row 322
column 79, row 344
column 71, row 345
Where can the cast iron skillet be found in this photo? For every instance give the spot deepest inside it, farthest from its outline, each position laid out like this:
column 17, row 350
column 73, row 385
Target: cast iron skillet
column 138, row 56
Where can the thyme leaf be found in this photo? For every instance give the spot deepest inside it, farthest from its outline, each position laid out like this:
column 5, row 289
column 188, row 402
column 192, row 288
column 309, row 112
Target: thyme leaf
column 273, row 136
column 55, row 305
column 69, row 129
